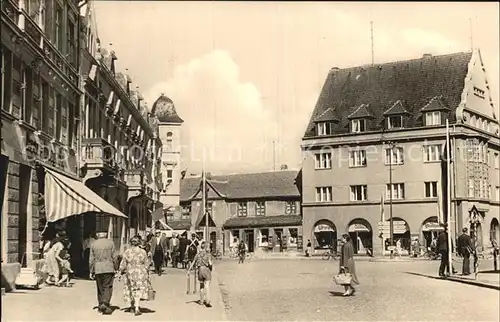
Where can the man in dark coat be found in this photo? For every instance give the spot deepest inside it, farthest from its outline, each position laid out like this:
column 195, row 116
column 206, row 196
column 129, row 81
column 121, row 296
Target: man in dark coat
column 464, row 245
column 443, row 249
column 183, row 245
column 157, row 251
column 164, row 247
column 102, row 260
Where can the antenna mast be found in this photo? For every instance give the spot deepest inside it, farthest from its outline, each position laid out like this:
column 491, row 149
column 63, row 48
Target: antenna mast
column 371, row 30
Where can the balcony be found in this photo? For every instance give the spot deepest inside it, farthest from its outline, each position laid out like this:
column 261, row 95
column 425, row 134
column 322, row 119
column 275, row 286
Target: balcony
column 97, row 153
column 10, row 9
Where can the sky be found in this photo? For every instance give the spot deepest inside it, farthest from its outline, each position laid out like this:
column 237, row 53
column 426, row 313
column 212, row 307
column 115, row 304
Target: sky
column 245, row 76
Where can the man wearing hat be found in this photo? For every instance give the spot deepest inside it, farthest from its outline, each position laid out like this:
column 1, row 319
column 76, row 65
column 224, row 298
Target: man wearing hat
column 102, row 259
column 464, row 245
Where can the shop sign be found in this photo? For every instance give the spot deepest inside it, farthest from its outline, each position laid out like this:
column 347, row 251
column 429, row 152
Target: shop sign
column 358, row 228
column 432, row 226
column 323, row 228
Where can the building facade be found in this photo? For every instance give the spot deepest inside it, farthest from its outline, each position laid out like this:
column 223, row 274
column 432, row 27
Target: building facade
column 263, row 209
column 376, row 138
column 120, row 145
column 39, row 113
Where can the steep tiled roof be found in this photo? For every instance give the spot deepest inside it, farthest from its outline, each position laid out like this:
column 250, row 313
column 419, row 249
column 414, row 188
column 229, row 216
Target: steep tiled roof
column 362, row 111
column 327, row 115
column 413, row 82
column 264, row 221
column 247, row 185
column 435, row 104
column 396, row 109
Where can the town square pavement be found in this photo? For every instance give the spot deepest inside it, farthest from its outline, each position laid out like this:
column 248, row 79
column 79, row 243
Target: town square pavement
column 274, row 290
column 291, row 290
column 75, row 303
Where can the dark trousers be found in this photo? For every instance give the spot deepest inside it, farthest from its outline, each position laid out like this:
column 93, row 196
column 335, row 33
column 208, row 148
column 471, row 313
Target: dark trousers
column 104, row 288
column 158, row 260
column 445, row 265
column 466, row 264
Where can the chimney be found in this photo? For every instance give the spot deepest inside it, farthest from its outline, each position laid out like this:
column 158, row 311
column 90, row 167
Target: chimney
column 284, row 167
column 334, row 69
column 427, row 55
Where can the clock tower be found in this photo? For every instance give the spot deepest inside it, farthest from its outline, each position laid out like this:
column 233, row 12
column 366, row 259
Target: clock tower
column 169, row 131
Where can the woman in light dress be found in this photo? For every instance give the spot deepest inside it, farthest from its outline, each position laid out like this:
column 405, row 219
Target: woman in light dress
column 53, row 259
column 134, row 266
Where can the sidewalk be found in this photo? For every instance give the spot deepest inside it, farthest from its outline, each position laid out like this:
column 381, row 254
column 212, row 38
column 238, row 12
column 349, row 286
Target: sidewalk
column 485, row 278
column 76, row 303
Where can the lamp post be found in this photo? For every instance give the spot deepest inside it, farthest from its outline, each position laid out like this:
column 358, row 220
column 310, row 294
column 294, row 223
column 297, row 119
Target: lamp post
column 391, row 222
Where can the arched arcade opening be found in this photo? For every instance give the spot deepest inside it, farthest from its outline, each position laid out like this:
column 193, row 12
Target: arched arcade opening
column 324, row 235
column 361, row 233
column 429, row 231
column 401, row 234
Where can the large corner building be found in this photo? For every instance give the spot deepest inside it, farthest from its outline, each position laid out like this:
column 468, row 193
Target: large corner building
column 376, row 138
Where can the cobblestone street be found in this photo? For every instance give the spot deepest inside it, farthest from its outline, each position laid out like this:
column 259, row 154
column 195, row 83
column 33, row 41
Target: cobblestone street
column 76, row 303
column 304, row 290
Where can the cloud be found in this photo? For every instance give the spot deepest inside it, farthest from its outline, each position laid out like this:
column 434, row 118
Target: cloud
column 223, row 115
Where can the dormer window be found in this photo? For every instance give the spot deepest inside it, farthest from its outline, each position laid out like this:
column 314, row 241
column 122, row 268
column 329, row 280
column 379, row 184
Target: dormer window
column 433, row 118
column 395, row 122
column 358, row 126
column 323, row 128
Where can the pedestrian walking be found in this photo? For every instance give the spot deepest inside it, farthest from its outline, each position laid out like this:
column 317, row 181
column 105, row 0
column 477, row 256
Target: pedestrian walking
column 443, row 250
column 203, row 262
column 346, row 263
column 183, row 245
column 157, row 252
column 308, row 248
column 102, row 259
column 464, row 246
column 136, row 280
column 174, row 249
column 241, row 252
column 164, row 247
column 53, row 259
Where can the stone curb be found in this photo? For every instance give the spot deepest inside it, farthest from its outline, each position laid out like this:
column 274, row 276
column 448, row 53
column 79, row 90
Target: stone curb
column 461, row 280
column 216, row 284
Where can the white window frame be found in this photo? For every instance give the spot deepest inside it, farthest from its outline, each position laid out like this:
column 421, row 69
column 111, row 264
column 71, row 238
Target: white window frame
column 358, row 126
column 432, row 153
column 397, row 190
column 323, row 128
column 394, row 156
column 323, row 161
column 357, row 158
column 359, row 193
column 290, row 208
column 242, row 209
column 260, row 208
column 390, row 122
column 432, row 187
column 323, row 194
column 433, row 118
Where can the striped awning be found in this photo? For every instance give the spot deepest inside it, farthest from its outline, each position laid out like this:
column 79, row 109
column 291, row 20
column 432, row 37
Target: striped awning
column 65, row 197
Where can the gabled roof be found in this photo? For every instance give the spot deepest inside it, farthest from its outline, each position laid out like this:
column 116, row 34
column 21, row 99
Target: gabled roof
column 414, row 82
column 435, row 104
column 273, row 184
column 363, row 111
column 327, row 115
column 396, row 109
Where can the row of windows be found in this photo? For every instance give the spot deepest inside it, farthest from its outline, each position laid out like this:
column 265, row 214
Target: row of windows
column 54, row 18
column 242, row 209
column 29, row 97
column 393, row 156
column 392, row 122
column 396, row 191
column 481, row 123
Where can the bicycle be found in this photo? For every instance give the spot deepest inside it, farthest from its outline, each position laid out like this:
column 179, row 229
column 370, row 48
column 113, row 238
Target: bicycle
column 217, row 254
column 330, row 254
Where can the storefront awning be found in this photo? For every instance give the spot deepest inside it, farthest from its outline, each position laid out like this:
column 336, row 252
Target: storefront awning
column 65, row 197
column 270, row 221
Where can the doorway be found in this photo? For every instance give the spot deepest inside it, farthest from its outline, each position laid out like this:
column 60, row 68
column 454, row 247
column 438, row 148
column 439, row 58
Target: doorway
column 213, row 241
column 250, row 239
column 4, row 163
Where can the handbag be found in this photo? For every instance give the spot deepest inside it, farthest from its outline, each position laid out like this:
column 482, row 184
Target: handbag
column 343, row 278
